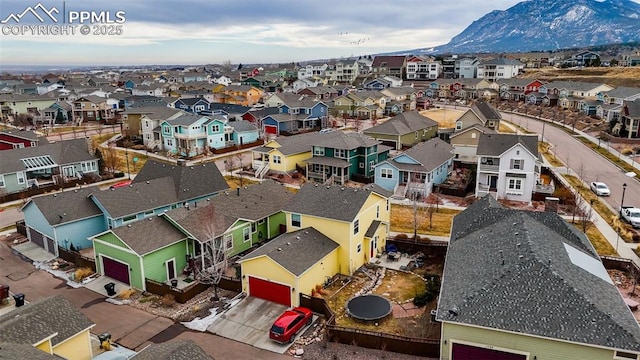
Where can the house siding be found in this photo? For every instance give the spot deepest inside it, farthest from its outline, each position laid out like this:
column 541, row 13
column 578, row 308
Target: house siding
column 290, row 161
column 11, row 183
column 386, row 183
column 36, row 219
column 45, row 346
column 77, row 347
column 274, row 222
column 78, row 232
column 547, row 349
column 266, row 269
column 154, row 263
column 118, row 253
column 326, row 268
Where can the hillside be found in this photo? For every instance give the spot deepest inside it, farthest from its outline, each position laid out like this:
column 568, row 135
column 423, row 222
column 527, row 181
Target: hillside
column 614, row 76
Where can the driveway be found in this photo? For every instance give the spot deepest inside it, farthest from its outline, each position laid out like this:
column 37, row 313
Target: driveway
column 249, row 322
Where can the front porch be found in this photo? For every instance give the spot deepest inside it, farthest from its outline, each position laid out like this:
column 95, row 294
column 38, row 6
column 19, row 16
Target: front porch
column 328, row 170
column 412, row 185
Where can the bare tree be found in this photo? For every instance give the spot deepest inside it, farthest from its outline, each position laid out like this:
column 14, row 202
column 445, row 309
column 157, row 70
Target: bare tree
column 111, row 159
column 229, row 164
column 357, row 124
column 214, row 249
column 239, row 159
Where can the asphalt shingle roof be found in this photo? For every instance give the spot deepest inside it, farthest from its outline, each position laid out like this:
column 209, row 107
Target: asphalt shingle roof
column 332, row 202
column 296, row 144
column 24, row 351
column 173, row 350
column 404, row 123
column 35, row 321
column 347, row 141
column 531, row 273
column 296, row 251
column 430, row 154
column 496, row 144
column 202, row 222
column 148, row 235
column 631, row 109
column 253, row 202
column 62, row 153
column 485, row 111
column 242, row 126
column 68, row 206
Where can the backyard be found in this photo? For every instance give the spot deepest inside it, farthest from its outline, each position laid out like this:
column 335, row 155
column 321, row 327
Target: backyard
column 431, row 219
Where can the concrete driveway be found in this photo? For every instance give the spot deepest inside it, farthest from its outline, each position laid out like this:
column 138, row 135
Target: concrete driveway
column 249, row 322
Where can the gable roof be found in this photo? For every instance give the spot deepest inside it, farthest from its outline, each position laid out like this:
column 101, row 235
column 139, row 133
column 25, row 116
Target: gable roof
column 622, row 92
column 631, row 109
column 138, row 197
column 173, row 350
column 23, row 134
column 201, row 222
column 404, row 123
column 242, row 126
column 296, row 251
column 485, row 111
column 67, row 206
column 61, row 152
column 253, row 202
column 24, row 351
column 347, row 141
column 189, row 181
column 531, row 273
column 332, row 202
column 391, row 61
column 35, row 321
column 497, row 144
column 155, row 112
column 296, row 144
column 148, row 235
column 430, row 154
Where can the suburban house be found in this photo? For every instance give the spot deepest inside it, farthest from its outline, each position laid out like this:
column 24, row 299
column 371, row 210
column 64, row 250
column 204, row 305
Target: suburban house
column 517, row 285
column 465, row 143
column 301, row 113
column 171, row 350
column 147, row 120
column 583, row 58
column 394, row 65
column 347, row 156
column 191, row 104
column 330, row 230
column 58, row 113
column 405, row 96
column 517, row 88
column 322, row 93
column 312, row 70
column 369, row 104
column 245, row 95
column 508, row 166
column 13, row 139
column 629, row 120
column 499, row 68
column 286, row 153
column 344, row 71
column 67, row 219
column 419, row 68
column 54, row 163
column 50, row 326
column 414, row 172
column 570, row 93
column 404, row 130
column 480, row 113
column 14, row 104
column 611, row 102
column 93, row 108
column 191, row 238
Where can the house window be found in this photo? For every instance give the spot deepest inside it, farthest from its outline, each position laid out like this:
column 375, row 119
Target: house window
column 166, row 130
column 246, row 234
column 254, row 227
column 169, row 142
column 624, row 355
column 416, row 135
column 377, row 211
column 228, row 241
column 361, row 165
column 340, row 153
column 356, row 226
column 88, row 166
column 458, row 125
column 215, row 128
column 517, row 164
column 20, row 176
column 359, row 247
column 515, row 184
column 387, row 204
column 277, row 159
column 295, row 220
column 261, row 221
column 148, row 213
column 386, row 173
column 372, row 164
column 33, row 143
column 318, row 151
column 129, row 218
column 2, row 181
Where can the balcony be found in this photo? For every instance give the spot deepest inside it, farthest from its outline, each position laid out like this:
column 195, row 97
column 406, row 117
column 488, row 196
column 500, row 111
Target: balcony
column 182, row 136
column 489, row 167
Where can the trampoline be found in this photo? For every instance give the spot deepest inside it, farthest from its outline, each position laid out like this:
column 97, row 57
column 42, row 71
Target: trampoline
column 368, row 307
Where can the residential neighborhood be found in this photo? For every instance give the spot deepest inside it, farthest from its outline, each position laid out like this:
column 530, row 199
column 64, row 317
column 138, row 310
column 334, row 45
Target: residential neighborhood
column 400, row 205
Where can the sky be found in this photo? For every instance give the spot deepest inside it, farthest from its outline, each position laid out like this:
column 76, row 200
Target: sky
column 238, row 31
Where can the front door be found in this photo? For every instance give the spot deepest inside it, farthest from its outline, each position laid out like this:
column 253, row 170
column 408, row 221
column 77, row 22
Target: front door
column 493, row 182
column 373, row 246
column 171, row 269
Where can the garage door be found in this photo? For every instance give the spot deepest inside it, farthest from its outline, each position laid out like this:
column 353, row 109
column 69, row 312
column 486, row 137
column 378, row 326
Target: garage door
column 51, row 245
column 270, row 129
column 469, row 352
column 36, row 237
column 391, row 143
column 271, row 291
column 116, row 270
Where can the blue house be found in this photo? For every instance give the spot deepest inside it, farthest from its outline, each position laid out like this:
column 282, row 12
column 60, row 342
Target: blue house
column 190, row 135
column 69, row 218
column 414, row 172
column 192, row 105
column 244, row 132
column 297, row 114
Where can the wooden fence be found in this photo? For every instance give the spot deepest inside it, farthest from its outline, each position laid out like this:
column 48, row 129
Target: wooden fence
column 77, row 259
column 625, row 265
column 370, row 339
column 21, row 228
column 238, row 147
column 429, row 248
column 180, row 295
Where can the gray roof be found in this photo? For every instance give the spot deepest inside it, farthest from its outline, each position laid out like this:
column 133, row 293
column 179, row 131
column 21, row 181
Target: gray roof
column 485, row 112
column 296, row 251
column 154, row 112
column 332, row 202
column 347, row 141
column 429, row 154
column 185, row 119
column 68, row 206
column 622, row 92
column 501, row 61
column 62, row 153
column 296, row 144
column 24, row 351
column 631, row 109
column 149, row 235
column 253, row 202
column 40, row 319
column 572, row 85
column 327, row 160
column 496, row 144
column 189, row 181
column 404, row 123
column 202, row 222
column 280, row 117
column 173, row 350
column 531, row 273
column 375, row 224
column 242, row 126
column 24, row 134
column 137, row 197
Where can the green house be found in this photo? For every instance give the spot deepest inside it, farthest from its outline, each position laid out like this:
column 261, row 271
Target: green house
column 404, row 130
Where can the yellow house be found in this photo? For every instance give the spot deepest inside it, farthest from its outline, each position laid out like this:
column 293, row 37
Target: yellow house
column 525, row 285
column 281, row 155
column 52, row 325
column 330, row 230
column 245, row 95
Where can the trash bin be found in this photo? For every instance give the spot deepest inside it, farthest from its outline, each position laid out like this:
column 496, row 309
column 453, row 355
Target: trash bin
column 19, row 299
column 111, row 288
column 104, row 337
column 174, row 282
column 4, row 293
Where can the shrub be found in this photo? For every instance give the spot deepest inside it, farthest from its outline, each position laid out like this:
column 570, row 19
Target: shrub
column 402, row 236
column 627, row 151
column 430, row 293
column 118, row 174
column 83, row 273
column 127, row 293
column 168, row 301
column 635, row 237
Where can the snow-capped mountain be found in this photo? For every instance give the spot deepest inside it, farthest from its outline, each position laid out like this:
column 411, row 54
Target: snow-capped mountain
column 547, row 25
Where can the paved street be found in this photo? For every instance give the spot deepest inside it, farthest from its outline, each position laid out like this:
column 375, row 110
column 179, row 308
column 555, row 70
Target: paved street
column 129, row 327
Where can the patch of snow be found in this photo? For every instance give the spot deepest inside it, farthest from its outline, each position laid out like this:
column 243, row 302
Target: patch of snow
column 201, row 324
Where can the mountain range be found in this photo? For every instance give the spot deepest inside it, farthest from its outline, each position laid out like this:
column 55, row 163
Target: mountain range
column 544, row 25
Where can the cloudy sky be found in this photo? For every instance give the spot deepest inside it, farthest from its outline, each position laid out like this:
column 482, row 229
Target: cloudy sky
column 240, row 31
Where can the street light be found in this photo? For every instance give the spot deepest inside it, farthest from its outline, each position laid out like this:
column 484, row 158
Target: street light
column 624, row 188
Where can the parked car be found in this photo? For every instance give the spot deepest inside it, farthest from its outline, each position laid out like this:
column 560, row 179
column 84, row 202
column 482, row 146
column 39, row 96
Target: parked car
column 600, row 188
column 326, row 130
column 285, row 328
column 120, row 184
column 631, row 215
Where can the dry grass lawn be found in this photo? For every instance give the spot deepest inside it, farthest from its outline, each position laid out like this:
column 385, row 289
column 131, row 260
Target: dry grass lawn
column 402, row 220
column 545, row 149
column 234, row 181
column 399, row 286
column 614, row 76
column 599, row 242
column 446, row 118
column 505, row 129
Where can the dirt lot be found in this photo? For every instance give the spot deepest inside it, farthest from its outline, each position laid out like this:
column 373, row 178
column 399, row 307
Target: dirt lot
column 614, row 76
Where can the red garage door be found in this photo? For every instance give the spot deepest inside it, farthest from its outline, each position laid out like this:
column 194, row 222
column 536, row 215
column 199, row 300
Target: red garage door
column 469, row 352
column 116, row 270
column 270, row 129
column 271, row 291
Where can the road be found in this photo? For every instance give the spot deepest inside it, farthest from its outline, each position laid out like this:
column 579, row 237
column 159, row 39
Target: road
column 583, row 160
column 82, row 133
